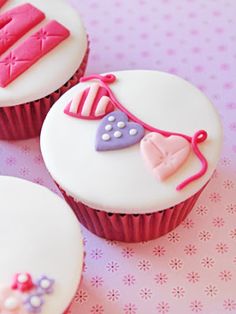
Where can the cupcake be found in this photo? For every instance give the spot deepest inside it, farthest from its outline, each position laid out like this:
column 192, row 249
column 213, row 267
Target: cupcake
column 41, row 250
column 132, row 151
column 43, row 53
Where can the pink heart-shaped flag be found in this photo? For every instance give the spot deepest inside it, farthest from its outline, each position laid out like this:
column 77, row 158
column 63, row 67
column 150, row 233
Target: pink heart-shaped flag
column 91, row 103
column 164, row 155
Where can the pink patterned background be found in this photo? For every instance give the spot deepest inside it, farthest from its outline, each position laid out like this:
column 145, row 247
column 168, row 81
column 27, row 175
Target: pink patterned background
column 193, row 268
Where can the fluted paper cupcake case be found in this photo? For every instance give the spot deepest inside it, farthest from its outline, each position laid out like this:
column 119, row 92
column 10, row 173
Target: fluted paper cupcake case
column 131, row 227
column 25, row 121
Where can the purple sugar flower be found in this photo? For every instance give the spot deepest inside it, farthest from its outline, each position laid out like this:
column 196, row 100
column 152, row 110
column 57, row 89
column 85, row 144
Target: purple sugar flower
column 45, row 285
column 34, row 303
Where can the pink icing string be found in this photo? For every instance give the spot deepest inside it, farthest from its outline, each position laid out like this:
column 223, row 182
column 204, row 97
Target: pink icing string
column 108, row 78
column 199, row 137
column 202, row 135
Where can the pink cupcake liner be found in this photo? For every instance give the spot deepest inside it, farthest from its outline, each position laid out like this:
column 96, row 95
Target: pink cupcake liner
column 25, row 121
column 131, row 227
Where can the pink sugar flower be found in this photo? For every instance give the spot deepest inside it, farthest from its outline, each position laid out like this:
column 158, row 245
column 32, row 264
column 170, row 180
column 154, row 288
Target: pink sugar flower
column 11, row 301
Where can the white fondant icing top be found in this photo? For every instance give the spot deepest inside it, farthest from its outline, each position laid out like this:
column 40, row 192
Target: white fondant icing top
column 118, row 180
column 40, row 235
column 55, row 68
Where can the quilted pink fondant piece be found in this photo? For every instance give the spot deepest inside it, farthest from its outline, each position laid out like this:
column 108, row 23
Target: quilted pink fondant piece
column 31, row 50
column 16, row 22
column 2, row 2
column 164, row 155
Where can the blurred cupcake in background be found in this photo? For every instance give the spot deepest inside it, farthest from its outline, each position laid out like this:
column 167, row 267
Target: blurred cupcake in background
column 41, row 258
column 43, row 53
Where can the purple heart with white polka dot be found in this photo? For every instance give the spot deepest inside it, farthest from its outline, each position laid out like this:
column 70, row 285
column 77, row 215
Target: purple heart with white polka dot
column 116, row 132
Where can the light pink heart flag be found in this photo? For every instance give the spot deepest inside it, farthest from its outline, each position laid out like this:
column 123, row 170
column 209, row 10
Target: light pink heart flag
column 164, row 155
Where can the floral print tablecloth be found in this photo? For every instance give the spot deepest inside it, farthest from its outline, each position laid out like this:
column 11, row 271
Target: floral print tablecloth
column 193, row 268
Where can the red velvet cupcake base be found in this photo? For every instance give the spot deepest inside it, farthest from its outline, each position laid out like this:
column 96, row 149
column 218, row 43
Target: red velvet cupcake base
column 131, row 227
column 25, row 121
